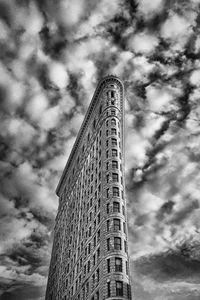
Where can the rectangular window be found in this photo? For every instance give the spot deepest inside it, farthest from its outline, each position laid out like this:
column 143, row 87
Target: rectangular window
column 108, row 244
column 115, row 177
column 108, row 225
column 98, row 218
column 116, row 207
column 98, row 235
column 117, row 243
column 107, row 193
column 107, row 143
column 125, row 246
column 107, row 132
column 97, row 295
column 124, row 227
column 117, row 225
column 108, row 289
column 126, row 267
column 119, row 288
column 108, row 265
column 98, row 253
column 114, row 142
column 115, row 191
column 107, row 178
column 114, row 152
column 123, row 210
column 107, row 153
column 88, row 266
column 118, row 264
column 94, row 259
column 114, row 164
column 113, row 131
column 108, row 208
column 107, row 165
column 97, row 275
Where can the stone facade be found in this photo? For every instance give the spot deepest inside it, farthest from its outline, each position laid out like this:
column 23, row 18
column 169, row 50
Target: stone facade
column 90, row 256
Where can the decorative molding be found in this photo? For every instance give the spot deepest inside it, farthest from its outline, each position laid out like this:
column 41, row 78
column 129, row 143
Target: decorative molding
column 85, row 124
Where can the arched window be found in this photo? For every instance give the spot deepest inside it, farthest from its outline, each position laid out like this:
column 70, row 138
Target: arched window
column 113, row 121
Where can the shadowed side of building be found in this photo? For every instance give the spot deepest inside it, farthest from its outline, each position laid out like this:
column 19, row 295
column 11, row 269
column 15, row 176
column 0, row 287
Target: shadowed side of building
column 90, row 256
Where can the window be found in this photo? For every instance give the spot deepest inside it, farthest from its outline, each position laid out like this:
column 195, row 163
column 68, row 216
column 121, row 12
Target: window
column 107, row 153
column 107, row 132
column 90, row 231
column 107, row 165
column 113, row 131
column 108, row 208
column 112, row 112
column 98, row 235
column 113, row 122
column 116, row 207
column 107, row 143
column 115, row 191
column 94, row 241
column 117, row 243
column 119, row 288
column 117, row 225
column 108, row 244
column 97, row 275
column 108, row 225
column 100, row 109
column 114, row 142
column 97, row 295
column 93, row 280
column 124, row 227
column 107, row 178
column 89, row 248
column 108, row 289
column 108, row 265
column 98, row 218
column 88, row 266
column 94, row 259
column 123, row 210
column 107, row 122
column 107, row 193
column 126, row 267
column 118, row 264
column 115, row 177
column 125, row 246
column 112, row 94
column 98, row 253
column 114, row 164
column 114, row 152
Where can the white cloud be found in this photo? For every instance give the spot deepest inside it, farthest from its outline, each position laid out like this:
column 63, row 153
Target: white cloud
column 143, row 43
column 158, row 98
column 69, row 13
column 37, row 106
column 195, row 78
column 176, row 28
column 150, row 7
column 58, row 74
column 50, row 118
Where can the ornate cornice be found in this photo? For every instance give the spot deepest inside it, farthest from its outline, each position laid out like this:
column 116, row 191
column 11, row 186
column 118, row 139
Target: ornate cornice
column 85, row 123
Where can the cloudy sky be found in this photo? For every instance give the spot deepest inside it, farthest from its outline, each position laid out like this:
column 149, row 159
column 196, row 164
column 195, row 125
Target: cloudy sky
column 53, row 53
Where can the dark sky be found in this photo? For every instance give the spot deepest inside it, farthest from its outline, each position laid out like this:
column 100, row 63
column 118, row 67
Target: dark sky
column 53, row 53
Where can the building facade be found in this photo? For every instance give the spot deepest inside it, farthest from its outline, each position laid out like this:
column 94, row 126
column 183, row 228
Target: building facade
column 90, row 255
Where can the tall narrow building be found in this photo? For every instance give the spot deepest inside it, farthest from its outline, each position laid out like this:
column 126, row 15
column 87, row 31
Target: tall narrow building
column 90, row 256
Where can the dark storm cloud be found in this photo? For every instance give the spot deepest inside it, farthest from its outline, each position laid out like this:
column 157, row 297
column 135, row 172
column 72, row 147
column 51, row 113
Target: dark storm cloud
column 176, row 264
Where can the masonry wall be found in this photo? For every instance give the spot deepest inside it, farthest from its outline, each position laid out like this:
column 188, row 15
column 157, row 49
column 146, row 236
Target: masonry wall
column 90, row 256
